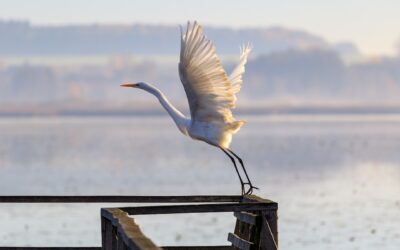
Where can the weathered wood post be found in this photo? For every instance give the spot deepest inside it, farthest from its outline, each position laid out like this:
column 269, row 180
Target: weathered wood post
column 109, row 234
column 268, row 227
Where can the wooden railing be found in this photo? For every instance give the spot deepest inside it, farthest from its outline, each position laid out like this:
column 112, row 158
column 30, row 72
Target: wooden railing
column 256, row 226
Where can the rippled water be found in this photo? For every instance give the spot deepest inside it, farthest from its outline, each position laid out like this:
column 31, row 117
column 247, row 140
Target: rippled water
column 336, row 178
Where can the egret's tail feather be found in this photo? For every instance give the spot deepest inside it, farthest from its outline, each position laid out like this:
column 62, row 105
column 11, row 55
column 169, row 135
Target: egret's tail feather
column 236, row 125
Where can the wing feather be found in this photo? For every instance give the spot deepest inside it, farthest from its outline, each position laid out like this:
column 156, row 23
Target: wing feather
column 236, row 76
column 208, row 89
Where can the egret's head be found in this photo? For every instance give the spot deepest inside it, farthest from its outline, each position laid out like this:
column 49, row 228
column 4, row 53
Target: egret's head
column 139, row 85
column 142, row 85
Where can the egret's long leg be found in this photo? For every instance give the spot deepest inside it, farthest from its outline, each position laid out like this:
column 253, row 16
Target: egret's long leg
column 237, row 170
column 250, row 191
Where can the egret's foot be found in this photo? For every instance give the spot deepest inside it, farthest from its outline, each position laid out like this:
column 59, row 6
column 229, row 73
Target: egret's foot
column 250, row 190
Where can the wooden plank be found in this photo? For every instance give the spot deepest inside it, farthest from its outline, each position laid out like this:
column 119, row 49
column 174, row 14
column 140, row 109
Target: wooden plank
column 272, row 219
column 127, row 198
column 239, row 243
column 121, row 245
column 255, row 233
column 103, row 232
column 200, row 208
column 110, row 236
column 267, row 240
column 50, row 248
column 244, row 231
column 197, row 247
column 128, row 231
column 120, row 199
column 246, row 217
column 255, row 198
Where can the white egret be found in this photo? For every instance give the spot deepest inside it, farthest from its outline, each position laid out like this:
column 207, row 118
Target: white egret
column 211, row 95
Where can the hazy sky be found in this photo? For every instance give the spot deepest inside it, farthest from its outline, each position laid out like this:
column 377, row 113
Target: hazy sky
column 373, row 25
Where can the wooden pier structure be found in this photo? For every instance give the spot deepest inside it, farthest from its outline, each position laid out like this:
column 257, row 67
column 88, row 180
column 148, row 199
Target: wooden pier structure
column 256, row 219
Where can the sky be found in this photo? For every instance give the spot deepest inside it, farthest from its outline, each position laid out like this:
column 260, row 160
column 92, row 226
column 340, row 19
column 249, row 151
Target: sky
column 373, row 25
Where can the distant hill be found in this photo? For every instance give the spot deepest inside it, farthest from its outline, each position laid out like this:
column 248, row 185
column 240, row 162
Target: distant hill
column 321, row 76
column 19, row 38
column 291, row 77
column 288, row 69
column 309, row 74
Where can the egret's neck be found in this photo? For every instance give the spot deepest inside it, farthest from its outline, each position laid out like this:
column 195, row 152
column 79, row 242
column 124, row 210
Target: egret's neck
column 180, row 120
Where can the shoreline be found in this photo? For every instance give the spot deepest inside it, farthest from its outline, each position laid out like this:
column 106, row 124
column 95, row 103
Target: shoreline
column 257, row 111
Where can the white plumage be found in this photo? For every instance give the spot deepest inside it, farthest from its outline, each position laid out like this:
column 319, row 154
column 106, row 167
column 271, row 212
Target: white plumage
column 210, row 92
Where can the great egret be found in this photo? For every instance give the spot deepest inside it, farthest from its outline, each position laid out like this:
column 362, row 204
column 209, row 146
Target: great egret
column 210, row 93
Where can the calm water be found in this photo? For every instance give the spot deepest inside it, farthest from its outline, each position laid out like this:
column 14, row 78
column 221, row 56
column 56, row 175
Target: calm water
column 336, row 178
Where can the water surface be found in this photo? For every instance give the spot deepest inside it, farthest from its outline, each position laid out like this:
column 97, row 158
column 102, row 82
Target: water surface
column 336, row 178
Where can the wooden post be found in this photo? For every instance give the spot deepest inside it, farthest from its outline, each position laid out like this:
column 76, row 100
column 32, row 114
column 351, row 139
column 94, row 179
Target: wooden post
column 272, row 219
column 121, row 244
column 103, row 232
column 269, row 234
column 110, row 242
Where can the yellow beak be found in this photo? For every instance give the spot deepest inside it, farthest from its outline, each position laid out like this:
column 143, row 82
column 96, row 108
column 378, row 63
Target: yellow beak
column 129, row 85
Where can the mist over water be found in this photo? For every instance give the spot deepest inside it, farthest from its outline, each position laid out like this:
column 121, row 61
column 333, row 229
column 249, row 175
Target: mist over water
column 336, row 178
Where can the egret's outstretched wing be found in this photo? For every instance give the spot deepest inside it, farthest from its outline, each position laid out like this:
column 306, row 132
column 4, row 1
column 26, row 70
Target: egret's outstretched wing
column 236, row 76
column 206, row 84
